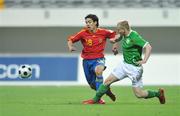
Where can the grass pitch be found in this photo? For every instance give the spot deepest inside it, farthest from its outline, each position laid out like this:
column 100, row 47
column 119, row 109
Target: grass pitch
column 66, row 101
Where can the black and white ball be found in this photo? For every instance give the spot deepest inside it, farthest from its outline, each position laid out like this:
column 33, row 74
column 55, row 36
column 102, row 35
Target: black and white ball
column 25, row 71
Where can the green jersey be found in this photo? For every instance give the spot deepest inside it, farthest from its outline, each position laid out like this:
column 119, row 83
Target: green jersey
column 132, row 46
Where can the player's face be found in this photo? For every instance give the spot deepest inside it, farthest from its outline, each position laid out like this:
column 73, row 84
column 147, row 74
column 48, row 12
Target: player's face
column 121, row 31
column 90, row 24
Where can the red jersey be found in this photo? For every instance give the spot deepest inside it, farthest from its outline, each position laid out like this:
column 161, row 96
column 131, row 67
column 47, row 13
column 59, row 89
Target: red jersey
column 93, row 43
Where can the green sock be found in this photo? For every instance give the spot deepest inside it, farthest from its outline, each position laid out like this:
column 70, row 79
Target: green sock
column 100, row 92
column 152, row 94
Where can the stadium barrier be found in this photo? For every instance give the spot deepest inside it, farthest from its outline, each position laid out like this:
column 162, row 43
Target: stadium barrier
column 161, row 69
column 63, row 16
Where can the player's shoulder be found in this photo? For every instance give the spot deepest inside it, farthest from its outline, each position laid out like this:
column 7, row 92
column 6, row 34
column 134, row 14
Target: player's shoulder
column 133, row 32
column 83, row 30
column 105, row 30
column 135, row 35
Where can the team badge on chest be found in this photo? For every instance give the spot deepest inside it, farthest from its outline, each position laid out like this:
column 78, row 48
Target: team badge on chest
column 100, row 40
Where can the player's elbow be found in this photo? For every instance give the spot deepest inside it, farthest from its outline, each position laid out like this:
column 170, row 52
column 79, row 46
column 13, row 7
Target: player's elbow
column 148, row 47
column 69, row 42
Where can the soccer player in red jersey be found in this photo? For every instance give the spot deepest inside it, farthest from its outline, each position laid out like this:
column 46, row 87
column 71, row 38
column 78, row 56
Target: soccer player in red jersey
column 93, row 40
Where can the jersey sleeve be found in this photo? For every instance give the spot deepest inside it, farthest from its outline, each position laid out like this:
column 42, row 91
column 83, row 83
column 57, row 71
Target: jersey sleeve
column 110, row 34
column 76, row 37
column 139, row 41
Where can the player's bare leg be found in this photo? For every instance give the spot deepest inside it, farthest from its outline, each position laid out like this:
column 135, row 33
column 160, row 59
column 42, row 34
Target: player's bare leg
column 99, row 78
column 140, row 93
column 108, row 82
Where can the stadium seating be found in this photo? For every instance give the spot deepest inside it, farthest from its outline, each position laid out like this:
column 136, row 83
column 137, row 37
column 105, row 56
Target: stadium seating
column 91, row 3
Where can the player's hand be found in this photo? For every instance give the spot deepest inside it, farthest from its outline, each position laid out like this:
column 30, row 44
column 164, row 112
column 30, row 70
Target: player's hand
column 72, row 48
column 115, row 48
column 113, row 40
column 115, row 51
column 141, row 62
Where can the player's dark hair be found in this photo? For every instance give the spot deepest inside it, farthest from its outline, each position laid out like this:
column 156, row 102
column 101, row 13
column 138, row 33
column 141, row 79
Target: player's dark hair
column 94, row 18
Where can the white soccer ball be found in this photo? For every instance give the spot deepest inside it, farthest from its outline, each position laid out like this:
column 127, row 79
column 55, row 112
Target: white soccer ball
column 25, row 71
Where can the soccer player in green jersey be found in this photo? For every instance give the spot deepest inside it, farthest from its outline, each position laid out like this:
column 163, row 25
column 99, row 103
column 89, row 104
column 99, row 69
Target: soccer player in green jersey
column 131, row 66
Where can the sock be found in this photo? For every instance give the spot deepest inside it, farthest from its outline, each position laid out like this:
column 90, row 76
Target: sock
column 152, row 94
column 99, row 81
column 109, row 91
column 100, row 92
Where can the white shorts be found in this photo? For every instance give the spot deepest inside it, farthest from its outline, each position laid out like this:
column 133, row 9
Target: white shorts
column 134, row 73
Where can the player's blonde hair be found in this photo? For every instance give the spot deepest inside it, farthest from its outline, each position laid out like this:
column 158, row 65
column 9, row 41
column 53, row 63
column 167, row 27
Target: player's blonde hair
column 123, row 25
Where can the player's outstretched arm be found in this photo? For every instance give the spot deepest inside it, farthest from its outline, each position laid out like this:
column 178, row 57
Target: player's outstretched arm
column 115, row 41
column 117, row 38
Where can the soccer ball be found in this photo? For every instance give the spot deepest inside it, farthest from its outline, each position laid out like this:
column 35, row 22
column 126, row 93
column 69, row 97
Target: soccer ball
column 25, row 71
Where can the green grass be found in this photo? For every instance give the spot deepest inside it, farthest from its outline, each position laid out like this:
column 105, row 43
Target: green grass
column 66, row 101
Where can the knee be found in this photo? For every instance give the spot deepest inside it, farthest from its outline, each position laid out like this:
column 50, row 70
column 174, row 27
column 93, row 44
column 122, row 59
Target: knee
column 108, row 82
column 98, row 71
column 110, row 79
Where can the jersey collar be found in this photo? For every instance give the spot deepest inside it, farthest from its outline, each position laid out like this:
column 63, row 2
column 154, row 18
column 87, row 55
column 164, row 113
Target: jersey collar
column 87, row 30
column 129, row 33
